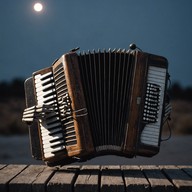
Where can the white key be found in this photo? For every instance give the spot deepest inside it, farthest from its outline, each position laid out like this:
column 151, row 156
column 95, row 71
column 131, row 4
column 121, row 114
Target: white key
column 48, row 150
column 52, row 131
column 48, row 155
column 52, row 145
column 47, row 92
column 51, row 137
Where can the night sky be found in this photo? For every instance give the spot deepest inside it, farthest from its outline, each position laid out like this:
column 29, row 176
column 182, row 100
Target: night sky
column 30, row 41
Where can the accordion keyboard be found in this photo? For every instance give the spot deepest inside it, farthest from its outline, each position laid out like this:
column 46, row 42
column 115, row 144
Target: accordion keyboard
column 50, row 126
column 153, row 105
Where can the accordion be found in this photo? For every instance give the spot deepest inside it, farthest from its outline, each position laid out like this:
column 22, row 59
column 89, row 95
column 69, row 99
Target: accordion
column 97, row 103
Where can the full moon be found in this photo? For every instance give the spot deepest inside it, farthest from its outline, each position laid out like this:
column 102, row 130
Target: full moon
column 38, row 7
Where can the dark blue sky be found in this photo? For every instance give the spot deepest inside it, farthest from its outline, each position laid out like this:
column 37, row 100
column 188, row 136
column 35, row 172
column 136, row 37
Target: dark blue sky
column 30, row 41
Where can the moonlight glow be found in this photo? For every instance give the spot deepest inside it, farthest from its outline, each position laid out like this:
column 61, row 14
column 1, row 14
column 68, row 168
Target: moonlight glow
column 38, row 7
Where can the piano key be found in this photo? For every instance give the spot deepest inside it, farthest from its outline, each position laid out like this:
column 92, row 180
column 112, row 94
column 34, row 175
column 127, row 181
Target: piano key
column 45, row 99
column 53, row 137
column 51, row 91
column 44, row 88
column 49, row 144
column 42, row 76
column 52, row 118
column 54, row 149
column 48, row 155
column 48, row 149
column 53, row 124
column 47, row 131
column 42, row 82
column 53, row 103
column 51, row 140
column 51, row 115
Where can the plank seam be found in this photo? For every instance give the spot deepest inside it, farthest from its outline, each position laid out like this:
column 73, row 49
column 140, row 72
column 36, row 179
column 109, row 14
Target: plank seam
column 48, row 179
column 168, row 178
column 3, row 166
column 141, row 169
column 75, row 178
column 7, row 184
column 123, row 176
column 99, row 179
column 183, row 169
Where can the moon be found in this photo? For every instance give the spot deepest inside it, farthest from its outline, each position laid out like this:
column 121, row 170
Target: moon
column 38, row 7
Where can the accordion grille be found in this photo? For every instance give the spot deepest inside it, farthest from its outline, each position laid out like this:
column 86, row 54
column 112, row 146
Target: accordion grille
column 107, row 79
column 62, row 92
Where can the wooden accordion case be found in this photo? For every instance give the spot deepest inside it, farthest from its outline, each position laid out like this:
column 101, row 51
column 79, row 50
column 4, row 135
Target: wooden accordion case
column 97, row 103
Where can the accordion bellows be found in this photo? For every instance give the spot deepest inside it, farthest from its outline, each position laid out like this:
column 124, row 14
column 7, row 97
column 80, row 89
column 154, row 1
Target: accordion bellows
column 97, row 103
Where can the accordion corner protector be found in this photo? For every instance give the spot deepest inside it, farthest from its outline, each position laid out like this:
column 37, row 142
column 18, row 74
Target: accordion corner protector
column 97, row 103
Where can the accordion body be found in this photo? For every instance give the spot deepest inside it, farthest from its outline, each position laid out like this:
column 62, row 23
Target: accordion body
column 97, row 103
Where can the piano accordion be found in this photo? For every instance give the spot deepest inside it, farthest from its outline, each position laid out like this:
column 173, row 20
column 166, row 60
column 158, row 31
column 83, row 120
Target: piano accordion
column 97, row 103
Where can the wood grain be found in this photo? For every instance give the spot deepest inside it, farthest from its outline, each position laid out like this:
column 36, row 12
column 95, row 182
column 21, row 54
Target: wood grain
column 95, row 178
column 111, row 179
column 179, row 178
column 8, row 173
column 135, row 179
column 157, row 179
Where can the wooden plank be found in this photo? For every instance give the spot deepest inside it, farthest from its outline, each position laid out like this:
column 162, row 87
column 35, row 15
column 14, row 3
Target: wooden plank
column 8, row 173
column 39, row 184
column 111, row 179
column 24, row 181
column 88, row 179
column 181, row 180
column 2, row 166
column 134, row 179
column 157, row 179
column 40, row 178
column 63, row 179
column 187, row 169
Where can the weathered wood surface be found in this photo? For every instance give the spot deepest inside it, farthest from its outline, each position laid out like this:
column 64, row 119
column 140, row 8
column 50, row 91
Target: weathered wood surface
column 33, row 178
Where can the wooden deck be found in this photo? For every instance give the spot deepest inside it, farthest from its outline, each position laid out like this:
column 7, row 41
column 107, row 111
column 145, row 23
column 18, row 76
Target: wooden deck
column 25, row 178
